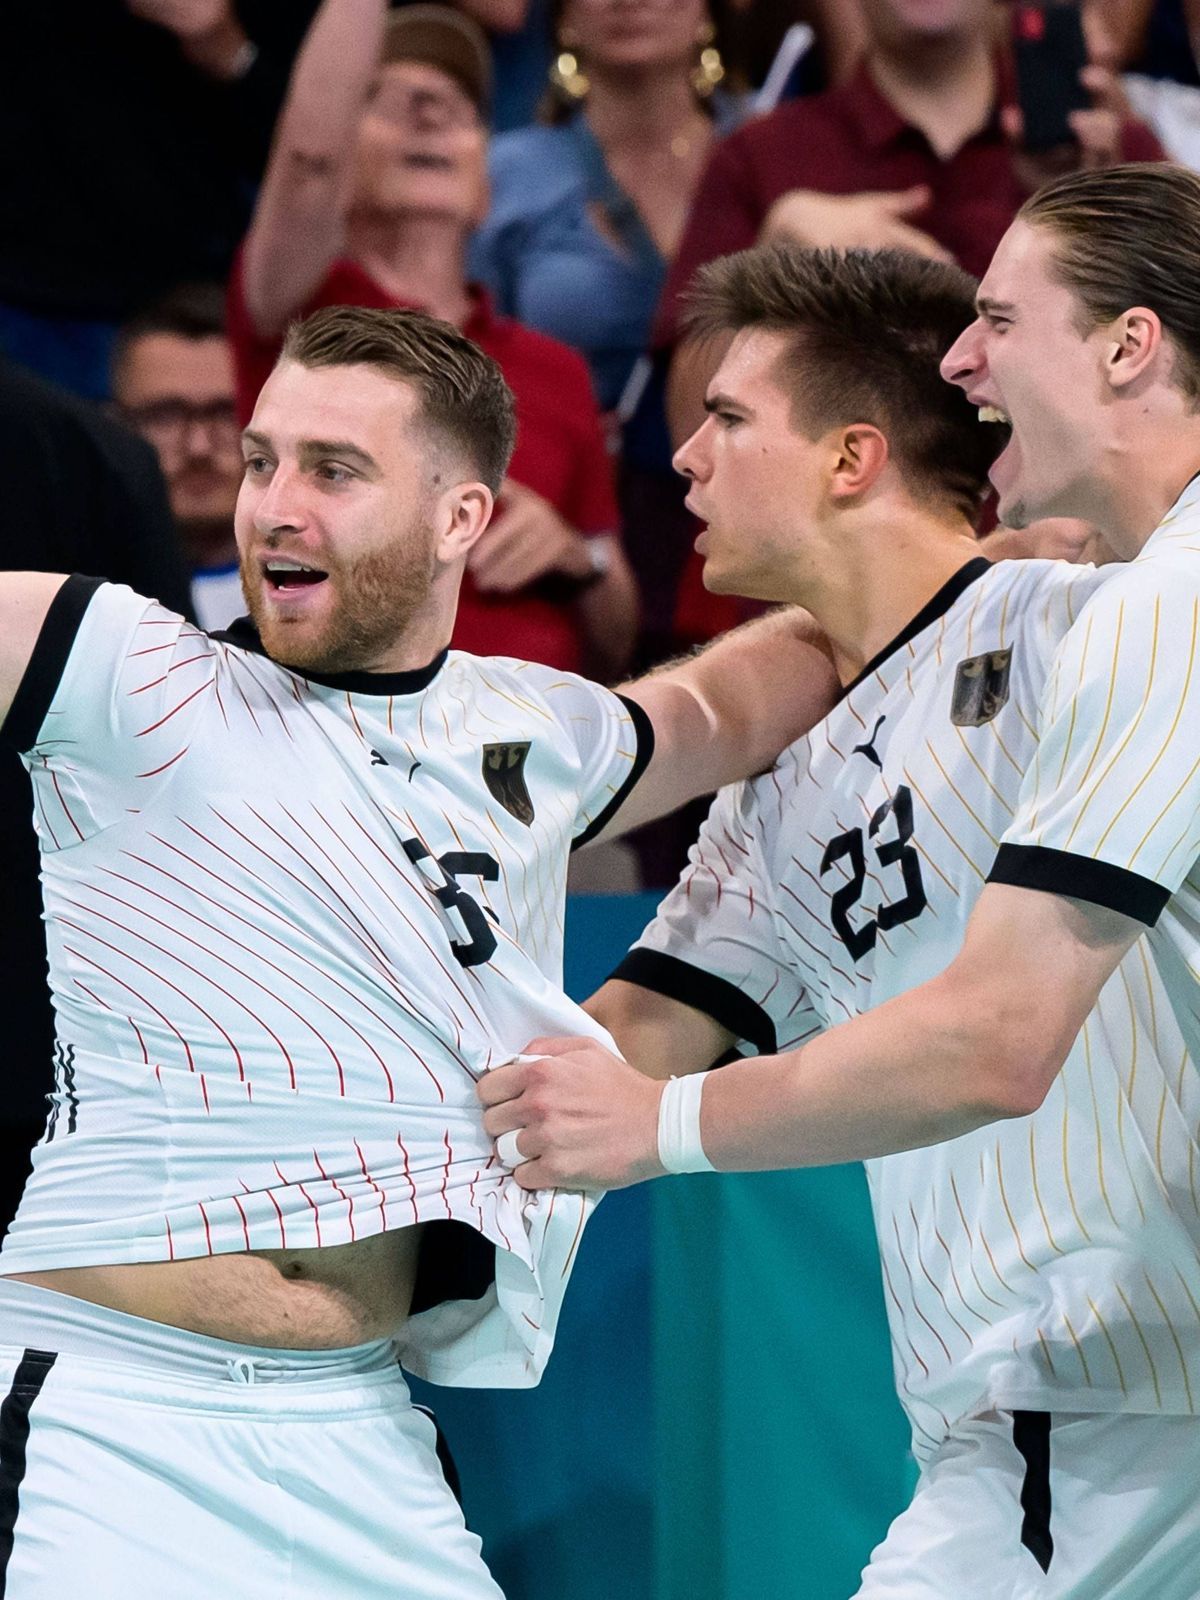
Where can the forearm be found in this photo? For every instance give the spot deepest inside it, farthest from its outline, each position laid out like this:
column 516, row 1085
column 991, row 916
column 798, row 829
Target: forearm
column 800, row 218
column 297, row 226
column 332, row 75
column 661, row 1037
column 913, row 1072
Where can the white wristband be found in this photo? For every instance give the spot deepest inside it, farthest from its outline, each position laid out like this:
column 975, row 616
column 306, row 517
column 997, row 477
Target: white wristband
column 679, row 1147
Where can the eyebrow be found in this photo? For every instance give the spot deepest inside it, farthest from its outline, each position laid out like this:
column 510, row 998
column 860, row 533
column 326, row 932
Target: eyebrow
column 988, row 307
column 311, row 450
column 722, row 402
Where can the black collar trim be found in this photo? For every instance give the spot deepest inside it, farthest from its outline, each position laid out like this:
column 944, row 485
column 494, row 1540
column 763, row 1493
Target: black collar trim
column 243, row 635
column 935, row 608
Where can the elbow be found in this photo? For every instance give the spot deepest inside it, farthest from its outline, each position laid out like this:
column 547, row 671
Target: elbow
column 1017, row 1068
column 1002, row 1053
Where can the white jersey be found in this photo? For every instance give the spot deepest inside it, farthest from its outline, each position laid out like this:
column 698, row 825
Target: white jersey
column 291, row 921
column 1048, row 1262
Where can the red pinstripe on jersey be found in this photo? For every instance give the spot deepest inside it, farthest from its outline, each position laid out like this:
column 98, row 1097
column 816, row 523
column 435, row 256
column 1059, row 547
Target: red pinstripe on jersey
column 270, row 1024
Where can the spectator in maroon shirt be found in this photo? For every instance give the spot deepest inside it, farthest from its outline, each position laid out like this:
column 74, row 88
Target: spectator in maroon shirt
column 917, row 151
column 375, row 183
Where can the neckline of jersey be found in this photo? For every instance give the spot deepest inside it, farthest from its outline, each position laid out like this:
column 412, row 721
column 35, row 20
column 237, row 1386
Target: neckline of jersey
column 243, row 635
column 930, row 612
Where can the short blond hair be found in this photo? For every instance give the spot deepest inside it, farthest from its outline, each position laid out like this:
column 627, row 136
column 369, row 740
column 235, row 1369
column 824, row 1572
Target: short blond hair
column 464, row 399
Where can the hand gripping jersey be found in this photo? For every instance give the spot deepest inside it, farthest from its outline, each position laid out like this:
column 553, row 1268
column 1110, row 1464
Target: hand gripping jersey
column 1048, row 1262
column 291, row 921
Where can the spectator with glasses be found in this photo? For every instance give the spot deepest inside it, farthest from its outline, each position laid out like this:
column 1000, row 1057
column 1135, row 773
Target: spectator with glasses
column 173, row 383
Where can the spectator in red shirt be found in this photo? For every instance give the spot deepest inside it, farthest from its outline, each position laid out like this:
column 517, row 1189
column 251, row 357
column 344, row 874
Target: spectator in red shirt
column 916, row 151
column 375, row 183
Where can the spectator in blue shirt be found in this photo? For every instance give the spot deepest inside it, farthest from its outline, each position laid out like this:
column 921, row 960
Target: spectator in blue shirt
column 588, row 209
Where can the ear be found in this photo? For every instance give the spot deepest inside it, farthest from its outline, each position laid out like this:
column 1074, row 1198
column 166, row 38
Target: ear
column 461, row 515
column 1131, row 343
column 860, row 455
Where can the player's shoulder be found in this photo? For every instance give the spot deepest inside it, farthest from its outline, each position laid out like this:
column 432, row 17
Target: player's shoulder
column 1039, row 598
column 1034, row 577
column 1161, row 586
column 550, row 688
column 1169, row 565
column 112, row 608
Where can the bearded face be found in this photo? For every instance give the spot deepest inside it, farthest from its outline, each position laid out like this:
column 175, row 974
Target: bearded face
column 344, row 616
column 338, row 522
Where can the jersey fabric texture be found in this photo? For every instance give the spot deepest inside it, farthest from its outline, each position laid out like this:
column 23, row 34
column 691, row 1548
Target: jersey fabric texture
column 1101, row 1507
column 1048, row 1262
column 291, row 922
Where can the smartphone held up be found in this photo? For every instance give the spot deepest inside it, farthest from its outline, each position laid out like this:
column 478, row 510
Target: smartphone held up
column 1049, row 54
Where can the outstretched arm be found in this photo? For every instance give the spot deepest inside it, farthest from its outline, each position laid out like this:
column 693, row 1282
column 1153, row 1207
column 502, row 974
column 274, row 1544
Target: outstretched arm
column 727, row 712
column 25, row 598
column 982, row 1042
column 297, row 227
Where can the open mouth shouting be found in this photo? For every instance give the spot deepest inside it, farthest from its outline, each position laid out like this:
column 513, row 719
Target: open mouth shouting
column 1004, row 464
column 287, row 579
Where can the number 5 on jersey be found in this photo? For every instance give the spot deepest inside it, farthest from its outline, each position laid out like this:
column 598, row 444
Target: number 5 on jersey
column 851, row 847
column 464, row 915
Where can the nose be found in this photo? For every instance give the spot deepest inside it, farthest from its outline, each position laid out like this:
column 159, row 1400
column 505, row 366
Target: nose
column 964, row 359
column 428, row 111
column 688, row 460
column 198, row 439
column 280, row 506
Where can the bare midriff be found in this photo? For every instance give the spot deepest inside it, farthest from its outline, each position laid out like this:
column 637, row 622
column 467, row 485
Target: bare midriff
column 285, row 1299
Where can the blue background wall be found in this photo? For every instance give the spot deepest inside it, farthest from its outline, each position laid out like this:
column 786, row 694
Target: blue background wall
column 717, row 1420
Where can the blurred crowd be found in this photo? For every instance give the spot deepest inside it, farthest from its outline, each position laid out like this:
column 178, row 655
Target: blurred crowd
column 185, row 177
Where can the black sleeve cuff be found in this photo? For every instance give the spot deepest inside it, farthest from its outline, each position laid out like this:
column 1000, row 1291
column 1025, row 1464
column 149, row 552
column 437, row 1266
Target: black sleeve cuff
column 703, row 991
column 643, row 730
column 1029, row 866
column 37, row 688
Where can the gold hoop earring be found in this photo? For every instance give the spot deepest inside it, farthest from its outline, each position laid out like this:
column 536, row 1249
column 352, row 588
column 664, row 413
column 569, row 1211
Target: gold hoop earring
column 567, row 78
column 709, row 69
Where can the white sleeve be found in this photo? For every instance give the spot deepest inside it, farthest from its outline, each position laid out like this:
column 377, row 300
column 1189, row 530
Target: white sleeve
column 1110, row 808
column 612, row 739
column 106, row 706
column 714, row 944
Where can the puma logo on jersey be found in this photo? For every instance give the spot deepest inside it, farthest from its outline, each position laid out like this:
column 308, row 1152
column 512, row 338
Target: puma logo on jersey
column 382, row 761
column 868, row 749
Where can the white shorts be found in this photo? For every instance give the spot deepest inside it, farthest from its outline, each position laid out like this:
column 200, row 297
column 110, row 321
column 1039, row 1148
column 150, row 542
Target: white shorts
column 138, row 1460
column 1025, row 1505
